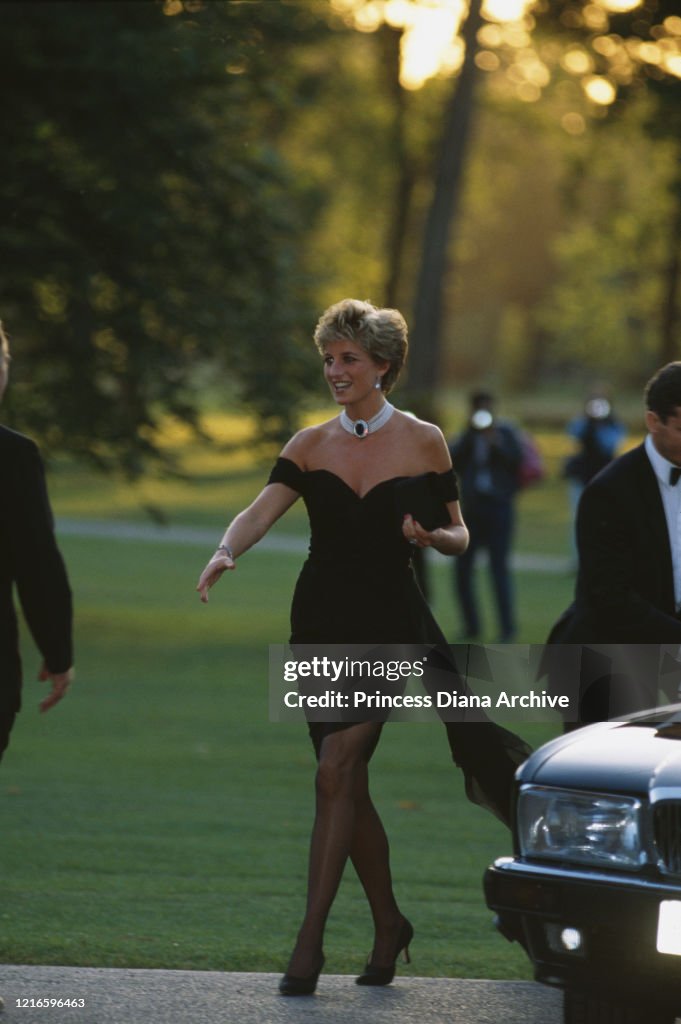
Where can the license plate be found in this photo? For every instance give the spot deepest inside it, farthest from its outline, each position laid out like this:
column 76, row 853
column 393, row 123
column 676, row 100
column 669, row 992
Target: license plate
column 669, row 928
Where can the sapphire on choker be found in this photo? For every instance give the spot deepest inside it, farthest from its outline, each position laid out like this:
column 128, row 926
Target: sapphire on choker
column 360, row 428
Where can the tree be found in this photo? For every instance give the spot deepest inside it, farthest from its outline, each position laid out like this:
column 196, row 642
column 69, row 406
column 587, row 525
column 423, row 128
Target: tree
column 619, row 55
column 390, row 40
column 603, row 310
column 576, row 57
column 426, row 336
column 151, row 224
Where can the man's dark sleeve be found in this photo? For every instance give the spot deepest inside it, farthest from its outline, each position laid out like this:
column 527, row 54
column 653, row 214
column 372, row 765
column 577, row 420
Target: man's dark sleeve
column 507, row 451
column 37, row 566
column 608, row 568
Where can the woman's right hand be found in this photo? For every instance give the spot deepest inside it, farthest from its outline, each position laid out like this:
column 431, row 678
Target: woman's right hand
column 245, row 530
column 218, row 564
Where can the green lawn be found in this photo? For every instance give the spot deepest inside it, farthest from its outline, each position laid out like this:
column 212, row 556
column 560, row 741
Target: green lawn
column 158, row 819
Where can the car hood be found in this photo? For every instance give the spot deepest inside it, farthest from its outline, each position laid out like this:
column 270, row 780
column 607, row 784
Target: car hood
column 621, row 757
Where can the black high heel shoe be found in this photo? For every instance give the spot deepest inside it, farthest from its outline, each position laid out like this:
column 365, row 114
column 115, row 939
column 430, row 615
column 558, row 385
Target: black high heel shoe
column 292, row 986
column 384, row 975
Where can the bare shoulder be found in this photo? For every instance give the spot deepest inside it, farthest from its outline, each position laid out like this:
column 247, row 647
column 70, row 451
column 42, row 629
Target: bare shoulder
column 303, row 445
column 426, row 440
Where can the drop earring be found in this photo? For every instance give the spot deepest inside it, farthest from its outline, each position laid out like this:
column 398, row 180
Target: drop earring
column 377, row 385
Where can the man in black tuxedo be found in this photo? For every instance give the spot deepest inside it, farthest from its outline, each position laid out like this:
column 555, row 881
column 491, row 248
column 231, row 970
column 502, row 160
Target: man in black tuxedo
column 628, row 589
column 29, row 559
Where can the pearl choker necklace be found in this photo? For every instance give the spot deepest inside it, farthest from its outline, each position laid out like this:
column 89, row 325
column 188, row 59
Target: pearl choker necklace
column 360, row 428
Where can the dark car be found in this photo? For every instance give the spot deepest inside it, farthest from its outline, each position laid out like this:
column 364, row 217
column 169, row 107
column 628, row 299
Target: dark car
column 593, row 892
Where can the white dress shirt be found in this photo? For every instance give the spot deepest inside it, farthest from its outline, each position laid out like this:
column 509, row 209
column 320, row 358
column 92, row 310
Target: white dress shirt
column 671, row 499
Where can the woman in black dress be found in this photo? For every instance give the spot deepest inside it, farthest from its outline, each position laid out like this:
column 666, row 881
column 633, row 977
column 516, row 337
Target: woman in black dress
column 356, row 587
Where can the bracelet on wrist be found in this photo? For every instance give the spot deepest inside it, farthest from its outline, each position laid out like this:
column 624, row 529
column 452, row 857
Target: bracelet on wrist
column 227, row 550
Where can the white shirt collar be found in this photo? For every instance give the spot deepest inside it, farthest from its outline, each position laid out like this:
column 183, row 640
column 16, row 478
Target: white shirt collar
column 671, row 502
column 661, row 466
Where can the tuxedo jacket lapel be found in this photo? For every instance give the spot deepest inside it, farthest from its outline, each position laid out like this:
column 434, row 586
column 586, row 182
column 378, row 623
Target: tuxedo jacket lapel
column 654, row 524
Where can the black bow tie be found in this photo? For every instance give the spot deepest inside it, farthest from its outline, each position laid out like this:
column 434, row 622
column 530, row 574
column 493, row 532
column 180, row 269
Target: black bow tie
column 674, row 474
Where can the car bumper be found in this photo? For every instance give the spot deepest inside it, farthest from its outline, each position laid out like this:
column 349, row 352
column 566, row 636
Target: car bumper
column 615, row 917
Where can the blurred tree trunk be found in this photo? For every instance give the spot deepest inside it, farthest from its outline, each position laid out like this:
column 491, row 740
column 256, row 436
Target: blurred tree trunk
column 390, row 40
column 427, row 329
column 670, row 347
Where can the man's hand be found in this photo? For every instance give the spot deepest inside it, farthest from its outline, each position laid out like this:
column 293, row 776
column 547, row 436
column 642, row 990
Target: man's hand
column 60, row 684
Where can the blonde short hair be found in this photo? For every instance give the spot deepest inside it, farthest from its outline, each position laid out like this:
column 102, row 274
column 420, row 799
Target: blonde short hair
column 382, row 333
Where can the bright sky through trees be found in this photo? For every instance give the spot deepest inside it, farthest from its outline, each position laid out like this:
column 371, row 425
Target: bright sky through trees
column 431, row 44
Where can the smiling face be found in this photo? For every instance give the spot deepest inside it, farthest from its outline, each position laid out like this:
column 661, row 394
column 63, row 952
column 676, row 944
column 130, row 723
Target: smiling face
column 666, row 434
column 351, row 373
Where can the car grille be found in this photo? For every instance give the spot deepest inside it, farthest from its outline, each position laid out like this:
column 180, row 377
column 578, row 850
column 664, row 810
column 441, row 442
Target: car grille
column 667, row 828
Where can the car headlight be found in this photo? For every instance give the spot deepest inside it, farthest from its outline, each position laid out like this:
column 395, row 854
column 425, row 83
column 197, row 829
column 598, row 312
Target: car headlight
column 589, row 828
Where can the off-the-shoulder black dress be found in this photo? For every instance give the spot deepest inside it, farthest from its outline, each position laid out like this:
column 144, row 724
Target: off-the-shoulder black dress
column 357, row 587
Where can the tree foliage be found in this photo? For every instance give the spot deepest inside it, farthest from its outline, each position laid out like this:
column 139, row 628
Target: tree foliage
column 559, row 180
column 188, row 182
column 151, row 225
column 605, row 308
column 620, row 289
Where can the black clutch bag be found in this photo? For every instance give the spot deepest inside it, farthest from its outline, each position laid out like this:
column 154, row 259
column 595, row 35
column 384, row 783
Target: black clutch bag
column 421, row 498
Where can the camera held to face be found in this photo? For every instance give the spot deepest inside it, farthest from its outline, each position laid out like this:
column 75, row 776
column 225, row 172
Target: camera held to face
column 482, row 419
column 597, row 408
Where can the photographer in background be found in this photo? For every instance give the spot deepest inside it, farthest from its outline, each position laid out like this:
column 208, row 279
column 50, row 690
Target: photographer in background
column 29, row 559
column 598, row 435
column 487, row 457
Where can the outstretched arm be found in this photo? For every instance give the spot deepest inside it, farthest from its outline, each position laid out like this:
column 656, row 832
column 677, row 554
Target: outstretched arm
column 245, row 530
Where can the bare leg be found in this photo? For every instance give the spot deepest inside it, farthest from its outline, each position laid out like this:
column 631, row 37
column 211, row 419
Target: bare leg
column 344, row 811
